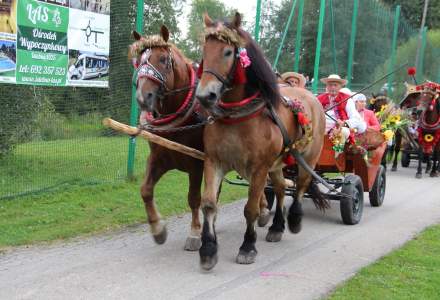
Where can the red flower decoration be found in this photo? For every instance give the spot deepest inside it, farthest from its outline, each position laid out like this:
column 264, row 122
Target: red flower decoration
column 302, row 119
column 289, row 159
column 411, row 71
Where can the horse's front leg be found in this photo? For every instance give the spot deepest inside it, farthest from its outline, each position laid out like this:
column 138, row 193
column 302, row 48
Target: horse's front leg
column 155, row 170
column 427, row 157
column 208, row 250
column 435, row 156
column 248, row 252
column 419, row 167
column 193, row 242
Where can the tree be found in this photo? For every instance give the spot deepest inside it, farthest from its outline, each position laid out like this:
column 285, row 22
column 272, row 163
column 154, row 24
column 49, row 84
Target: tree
column 216, row 10
column 412, row 10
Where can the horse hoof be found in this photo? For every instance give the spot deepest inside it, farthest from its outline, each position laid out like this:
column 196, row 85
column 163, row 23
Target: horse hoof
column 264, row 218
column 159, row 232
column 433, row 174
column 393, row 169
column 274, row 236
column 193, row 243
column 246, row 258
column 419, row 175
column 294, row 223
column 208, row 262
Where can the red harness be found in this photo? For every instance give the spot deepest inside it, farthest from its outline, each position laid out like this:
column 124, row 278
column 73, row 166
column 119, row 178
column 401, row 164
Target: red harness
column 161, row 121
column 242, row 103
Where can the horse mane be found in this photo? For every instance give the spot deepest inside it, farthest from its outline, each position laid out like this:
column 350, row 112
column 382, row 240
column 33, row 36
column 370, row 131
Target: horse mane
column 260, row 75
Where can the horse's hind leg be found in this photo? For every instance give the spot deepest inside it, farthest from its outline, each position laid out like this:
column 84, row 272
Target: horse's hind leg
column 157, row 226
column 275, row 232
column 193, row 242
column 435, row 155
column 208, row 250
column 296, row 212
column 397, row 146
column 419, row 166
column 248, row 252
column 427, row 157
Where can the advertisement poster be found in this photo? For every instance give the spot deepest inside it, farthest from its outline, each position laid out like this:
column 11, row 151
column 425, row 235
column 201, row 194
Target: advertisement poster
column 40, row 45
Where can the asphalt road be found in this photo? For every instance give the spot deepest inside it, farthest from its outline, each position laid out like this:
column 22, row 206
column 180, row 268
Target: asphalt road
column 128, row 265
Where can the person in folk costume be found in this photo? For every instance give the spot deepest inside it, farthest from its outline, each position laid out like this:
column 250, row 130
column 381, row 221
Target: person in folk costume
column 294, row 79
column 344, row 111
column 368, row 115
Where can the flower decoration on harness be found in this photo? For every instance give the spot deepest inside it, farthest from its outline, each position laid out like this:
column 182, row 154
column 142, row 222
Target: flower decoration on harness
column 245, row 61
column 298, row 110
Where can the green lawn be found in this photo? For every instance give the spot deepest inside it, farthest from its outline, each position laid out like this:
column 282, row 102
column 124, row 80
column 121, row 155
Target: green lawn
column 91, row 194
column 411, row 272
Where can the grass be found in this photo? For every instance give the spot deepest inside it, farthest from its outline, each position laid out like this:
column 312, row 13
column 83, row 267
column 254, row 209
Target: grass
column 94, row 197
column 411, row 272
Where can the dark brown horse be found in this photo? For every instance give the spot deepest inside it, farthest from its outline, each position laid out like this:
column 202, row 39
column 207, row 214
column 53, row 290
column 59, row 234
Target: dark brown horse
column 427, row 99
column 254, row 127
column 165, row 94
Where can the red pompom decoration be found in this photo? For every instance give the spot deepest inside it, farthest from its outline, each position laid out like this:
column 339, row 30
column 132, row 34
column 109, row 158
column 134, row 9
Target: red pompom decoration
column 240, row 75
column 289, row 159
column 302, row 119
column 411, row 71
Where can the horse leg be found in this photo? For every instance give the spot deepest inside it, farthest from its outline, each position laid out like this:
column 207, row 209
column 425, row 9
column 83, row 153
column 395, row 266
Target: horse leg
column 208, row 250
column 193, row 241
column 427, row 157
column 384, row 158
column 434, row 163
column 398, row 144
column 157, row 226
column 264, row 216
column 419, row 167
column 276, row 230
column 296, row 212
column 248, row 252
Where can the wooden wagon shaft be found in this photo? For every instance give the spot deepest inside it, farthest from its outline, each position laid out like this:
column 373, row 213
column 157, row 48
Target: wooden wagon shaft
column 130, row 130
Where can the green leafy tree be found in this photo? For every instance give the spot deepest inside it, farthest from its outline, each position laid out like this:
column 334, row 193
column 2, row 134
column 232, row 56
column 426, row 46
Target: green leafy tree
column 412, row 10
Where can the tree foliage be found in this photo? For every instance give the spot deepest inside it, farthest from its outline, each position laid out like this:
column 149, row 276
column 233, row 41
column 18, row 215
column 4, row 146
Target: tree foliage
column 412, row 10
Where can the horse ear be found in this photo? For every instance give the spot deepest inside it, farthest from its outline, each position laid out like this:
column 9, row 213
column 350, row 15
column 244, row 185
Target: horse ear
column 136, row 35
column 207, row 20
column 236, row 20
column 165, row 33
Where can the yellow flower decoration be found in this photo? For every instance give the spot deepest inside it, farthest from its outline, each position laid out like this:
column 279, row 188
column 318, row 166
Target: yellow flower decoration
column 428, row 138
column 388, row 134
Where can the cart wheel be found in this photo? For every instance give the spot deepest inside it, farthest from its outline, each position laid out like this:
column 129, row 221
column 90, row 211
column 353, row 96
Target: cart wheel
column 377, row 193
column 405, row 159
column 352, row 207
column 270, row 197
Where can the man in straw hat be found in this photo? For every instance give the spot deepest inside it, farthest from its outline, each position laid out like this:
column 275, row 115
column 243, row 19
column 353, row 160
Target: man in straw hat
column 344, row 112
column 294, row 79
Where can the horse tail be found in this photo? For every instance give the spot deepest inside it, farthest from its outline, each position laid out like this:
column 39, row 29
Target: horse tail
column 317, row 196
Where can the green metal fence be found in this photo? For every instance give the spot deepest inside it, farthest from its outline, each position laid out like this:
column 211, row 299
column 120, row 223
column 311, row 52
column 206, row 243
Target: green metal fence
column 57, row 132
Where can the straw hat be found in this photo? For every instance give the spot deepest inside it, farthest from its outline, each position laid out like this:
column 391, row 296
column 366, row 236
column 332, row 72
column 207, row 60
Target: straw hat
column 300, row 77
column 334, row 78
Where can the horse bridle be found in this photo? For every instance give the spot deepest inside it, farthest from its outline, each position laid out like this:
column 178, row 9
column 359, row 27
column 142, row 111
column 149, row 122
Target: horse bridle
column 227, row 82
column 148, row 70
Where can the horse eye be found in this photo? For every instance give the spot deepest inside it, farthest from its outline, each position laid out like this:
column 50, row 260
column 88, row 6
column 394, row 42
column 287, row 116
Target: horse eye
column 163, row 59
column 228, row 52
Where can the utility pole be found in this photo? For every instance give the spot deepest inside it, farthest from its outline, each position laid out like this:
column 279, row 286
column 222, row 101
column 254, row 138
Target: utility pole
column 422, row 26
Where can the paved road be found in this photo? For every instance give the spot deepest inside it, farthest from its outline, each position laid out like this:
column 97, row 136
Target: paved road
column 128, row 265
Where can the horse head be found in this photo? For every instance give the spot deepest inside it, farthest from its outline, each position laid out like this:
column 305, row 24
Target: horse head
column 154, row 59
column 232, row 66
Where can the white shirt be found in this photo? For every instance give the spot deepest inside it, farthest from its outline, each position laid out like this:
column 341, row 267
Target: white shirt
column 354, row 118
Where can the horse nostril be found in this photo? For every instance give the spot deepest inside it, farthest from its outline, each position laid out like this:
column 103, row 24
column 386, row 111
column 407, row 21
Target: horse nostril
column 212, row 96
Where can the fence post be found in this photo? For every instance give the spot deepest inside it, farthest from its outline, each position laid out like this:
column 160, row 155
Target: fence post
column 286, row 29
column 393, row 51
column 332, row 21
column 134, row 107
column 318, row 47
column 257, row 22
column 421, row 61
column 298, row 35
column 352, row 41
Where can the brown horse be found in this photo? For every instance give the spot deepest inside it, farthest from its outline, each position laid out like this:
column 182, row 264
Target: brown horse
column 165, row 94
column 426, row 98
column 254, row 127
